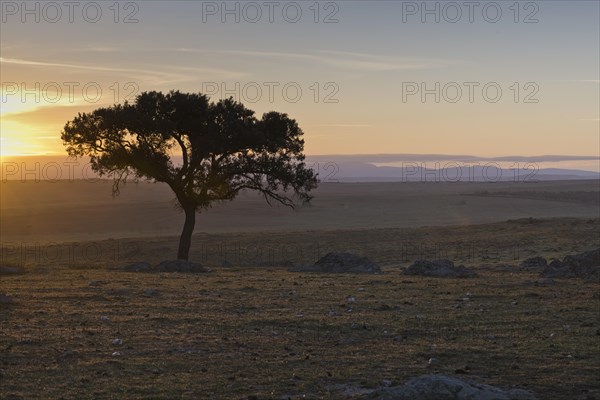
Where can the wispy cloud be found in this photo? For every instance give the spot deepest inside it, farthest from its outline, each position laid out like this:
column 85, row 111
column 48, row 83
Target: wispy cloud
column 63, row 65
column 339, row 59
column 167, row 75
column 346, row 60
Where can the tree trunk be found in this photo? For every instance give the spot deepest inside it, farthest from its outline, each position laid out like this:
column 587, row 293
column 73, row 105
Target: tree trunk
column 185, row 240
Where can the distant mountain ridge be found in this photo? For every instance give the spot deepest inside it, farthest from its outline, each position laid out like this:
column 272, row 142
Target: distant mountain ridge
column 455, row 171
column 355, row 168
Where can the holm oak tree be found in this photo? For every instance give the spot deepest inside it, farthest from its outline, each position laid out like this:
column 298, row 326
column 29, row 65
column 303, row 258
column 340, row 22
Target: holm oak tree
column 205, row 151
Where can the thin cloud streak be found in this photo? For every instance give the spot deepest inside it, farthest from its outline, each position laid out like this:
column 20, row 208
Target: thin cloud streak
column 353, row 61
column 152, row 76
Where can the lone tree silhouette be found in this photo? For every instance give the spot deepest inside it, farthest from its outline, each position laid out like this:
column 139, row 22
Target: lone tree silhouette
column 224, row 149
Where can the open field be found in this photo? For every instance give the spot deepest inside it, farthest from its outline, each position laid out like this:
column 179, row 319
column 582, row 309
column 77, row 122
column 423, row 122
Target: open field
column 83, row 210
column 255, row 329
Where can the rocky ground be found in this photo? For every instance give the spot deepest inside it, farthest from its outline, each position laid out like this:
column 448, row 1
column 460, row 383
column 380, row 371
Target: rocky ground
column 83, row 330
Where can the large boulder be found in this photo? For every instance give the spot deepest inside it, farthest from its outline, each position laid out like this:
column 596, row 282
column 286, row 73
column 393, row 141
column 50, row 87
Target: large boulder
column 180, row 266
column 341, row 263
column 441, row 387
column 439, row 268
column 585, row 265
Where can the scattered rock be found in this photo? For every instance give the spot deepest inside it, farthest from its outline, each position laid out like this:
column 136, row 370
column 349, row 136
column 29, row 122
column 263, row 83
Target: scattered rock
column 545, row 282
column 441, row 387
column 341, row 263
column 117, row 342
column 534, row 263
column 585, row 265
column 439, row 268
column 137, row 267
column 151, row 293
column 68, row 355
column 4, row 299
column 104, row 318
column 180, row 266
column 11, row 270
column 120, row 292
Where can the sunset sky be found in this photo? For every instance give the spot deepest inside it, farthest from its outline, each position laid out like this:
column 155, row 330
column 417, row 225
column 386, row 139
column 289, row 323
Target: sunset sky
column 355, row 74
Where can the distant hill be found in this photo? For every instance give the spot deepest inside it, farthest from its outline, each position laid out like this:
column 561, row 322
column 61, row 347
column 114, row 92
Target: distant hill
column 359, row 171
column 357, row 168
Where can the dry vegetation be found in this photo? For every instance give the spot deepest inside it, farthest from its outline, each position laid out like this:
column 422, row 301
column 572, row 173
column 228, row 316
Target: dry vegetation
column 255, row 330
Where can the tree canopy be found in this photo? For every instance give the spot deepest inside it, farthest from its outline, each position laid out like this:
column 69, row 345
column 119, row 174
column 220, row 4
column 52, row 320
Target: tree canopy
column 205, row 151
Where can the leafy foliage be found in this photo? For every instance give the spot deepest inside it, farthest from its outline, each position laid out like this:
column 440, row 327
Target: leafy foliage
column 224, row 148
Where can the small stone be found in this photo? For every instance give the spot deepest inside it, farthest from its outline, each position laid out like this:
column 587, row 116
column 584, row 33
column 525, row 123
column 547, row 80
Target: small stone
column 439, row 268
column 180, row 266
column 116, row 354
column 534, row 263
column 137, row 267
column 104, row 318
column 150, row 293
column 4, row 299
column 10, row 270
column 341, row 263
column 117, row 342
column 68, row 355
column 444, row 387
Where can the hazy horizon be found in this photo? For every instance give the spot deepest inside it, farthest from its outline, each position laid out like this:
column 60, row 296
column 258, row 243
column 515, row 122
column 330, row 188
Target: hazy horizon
column 49, row 166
